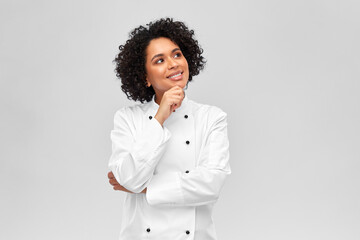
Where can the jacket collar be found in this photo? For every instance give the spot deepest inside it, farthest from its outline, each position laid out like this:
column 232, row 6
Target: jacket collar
column 184, row 104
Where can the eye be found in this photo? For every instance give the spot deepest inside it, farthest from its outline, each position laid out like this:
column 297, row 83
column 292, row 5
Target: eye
column 160, row 60
column 178, row 54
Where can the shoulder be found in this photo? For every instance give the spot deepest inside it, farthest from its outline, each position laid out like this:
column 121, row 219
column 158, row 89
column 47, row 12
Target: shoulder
column 210, row 113
column 131, row 112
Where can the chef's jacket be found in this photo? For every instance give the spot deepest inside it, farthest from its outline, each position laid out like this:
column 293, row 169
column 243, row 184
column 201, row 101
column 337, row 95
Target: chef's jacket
column 183, row 164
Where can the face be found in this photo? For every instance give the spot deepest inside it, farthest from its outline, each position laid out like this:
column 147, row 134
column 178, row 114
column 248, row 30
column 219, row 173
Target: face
column 165, row 65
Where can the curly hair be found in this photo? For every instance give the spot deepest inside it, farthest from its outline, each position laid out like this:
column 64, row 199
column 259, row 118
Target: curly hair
column 130, row 61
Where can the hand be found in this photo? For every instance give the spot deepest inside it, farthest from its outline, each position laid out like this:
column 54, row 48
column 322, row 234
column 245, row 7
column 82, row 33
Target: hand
column 117, row 186
column 170, row 101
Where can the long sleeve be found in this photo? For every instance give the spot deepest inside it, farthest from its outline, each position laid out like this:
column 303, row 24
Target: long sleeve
column 137, row 146
column 202, row 185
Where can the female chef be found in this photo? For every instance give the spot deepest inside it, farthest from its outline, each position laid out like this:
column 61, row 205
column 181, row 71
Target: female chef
column 170, row 154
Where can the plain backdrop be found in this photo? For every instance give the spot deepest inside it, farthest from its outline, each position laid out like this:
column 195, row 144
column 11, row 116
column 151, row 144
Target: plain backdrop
column 286, row 72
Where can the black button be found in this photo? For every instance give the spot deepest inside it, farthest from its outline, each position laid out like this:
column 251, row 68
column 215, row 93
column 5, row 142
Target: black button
column 186, row 116
column 187, row 142
column 187, row 232
column 150, row 117
column 187, row 171
column 148, row 230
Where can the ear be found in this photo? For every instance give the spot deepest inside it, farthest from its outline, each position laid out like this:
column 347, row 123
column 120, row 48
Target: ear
column 148, row 84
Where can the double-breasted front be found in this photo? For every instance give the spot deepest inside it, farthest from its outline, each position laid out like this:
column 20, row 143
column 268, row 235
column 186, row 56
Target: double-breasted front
column 183, row 164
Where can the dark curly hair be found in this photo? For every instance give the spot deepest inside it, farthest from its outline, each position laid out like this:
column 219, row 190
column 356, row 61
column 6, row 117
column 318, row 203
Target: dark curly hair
column 130, row 62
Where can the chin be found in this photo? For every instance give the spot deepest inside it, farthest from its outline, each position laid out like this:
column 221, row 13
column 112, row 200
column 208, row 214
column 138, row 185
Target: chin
column 180, row 84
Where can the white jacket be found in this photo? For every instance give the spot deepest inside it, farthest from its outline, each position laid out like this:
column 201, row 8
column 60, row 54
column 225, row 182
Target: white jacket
column 183, row 164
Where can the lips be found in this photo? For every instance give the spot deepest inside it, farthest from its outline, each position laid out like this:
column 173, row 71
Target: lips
column 174, row 73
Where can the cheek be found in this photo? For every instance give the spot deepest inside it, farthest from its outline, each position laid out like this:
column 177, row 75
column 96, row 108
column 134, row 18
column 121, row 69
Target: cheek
column 187, row 67
column 156, row 72
column 186, row 64
column 159, row 72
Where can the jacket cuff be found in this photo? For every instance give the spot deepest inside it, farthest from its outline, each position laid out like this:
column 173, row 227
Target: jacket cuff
column 165, row 188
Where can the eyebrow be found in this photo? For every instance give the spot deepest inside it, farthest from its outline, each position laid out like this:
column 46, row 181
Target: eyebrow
column 161, row 54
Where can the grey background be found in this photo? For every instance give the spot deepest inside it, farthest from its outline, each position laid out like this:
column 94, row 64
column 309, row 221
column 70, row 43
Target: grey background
column 286, row 72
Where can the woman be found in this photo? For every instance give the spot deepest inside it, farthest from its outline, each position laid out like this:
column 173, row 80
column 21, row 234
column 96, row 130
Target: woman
column 169, row 154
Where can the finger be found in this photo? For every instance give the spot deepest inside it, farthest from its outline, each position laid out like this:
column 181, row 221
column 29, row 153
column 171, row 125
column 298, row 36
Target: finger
column 110, row 175
column 174, row 93
column 175, row 90
column 118, row 187
column 121, row 188
column 177, row 100
column 113, row 181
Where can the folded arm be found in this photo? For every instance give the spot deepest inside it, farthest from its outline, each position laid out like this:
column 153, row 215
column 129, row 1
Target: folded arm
column 135, row 152
column 201, row 185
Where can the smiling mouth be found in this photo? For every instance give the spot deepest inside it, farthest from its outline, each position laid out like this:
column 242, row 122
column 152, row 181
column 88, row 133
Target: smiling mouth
column 176, row 75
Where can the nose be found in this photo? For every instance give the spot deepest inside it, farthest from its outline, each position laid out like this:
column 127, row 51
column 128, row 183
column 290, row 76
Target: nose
column 172, row 63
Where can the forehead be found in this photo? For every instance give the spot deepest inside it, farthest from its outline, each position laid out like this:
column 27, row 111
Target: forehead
column 160, row 45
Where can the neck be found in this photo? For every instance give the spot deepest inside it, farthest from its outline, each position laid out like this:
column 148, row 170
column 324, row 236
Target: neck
column 158, row 98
